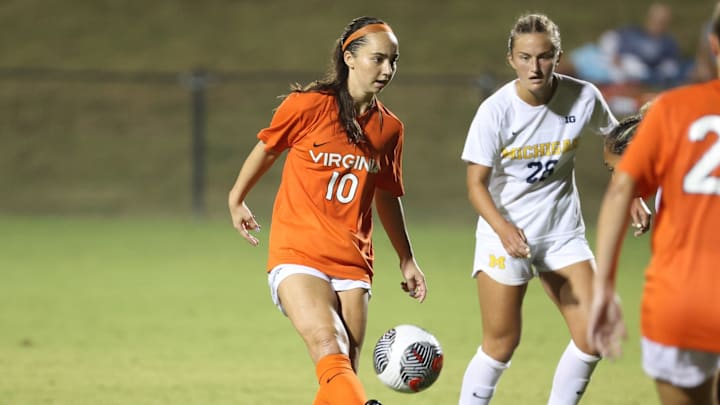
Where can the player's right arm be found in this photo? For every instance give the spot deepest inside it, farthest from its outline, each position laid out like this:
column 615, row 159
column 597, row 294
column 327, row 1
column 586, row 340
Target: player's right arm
column 512, row 237
column 256, row 164
column 606, row 328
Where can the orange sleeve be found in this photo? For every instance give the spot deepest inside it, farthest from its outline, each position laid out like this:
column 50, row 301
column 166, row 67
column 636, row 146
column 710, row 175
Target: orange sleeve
column 295, row 114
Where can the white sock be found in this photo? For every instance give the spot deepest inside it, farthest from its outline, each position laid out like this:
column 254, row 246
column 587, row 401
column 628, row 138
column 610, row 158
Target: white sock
column 572, row 375
column 481, row 377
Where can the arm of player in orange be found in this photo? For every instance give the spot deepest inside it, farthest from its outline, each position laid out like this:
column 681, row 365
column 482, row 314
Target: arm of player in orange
column 606, row 328
column 390, row 211
column 256, row 164
column 512, row 237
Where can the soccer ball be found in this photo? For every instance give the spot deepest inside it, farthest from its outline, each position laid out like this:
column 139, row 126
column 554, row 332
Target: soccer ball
column 408, row 358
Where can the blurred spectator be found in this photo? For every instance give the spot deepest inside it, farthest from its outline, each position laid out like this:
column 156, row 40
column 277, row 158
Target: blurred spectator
column 704, row 66
column 647, row 55
column 631, row 63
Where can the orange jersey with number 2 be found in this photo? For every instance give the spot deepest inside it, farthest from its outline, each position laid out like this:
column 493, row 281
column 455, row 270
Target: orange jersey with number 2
column 322, row 214
column 677, row 149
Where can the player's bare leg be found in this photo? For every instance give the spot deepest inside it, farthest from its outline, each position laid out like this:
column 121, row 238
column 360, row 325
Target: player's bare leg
column 672, row 395
column 570, row 288
column 312, row 306
column 501, row 310
column 314, row 310
column 354, row 309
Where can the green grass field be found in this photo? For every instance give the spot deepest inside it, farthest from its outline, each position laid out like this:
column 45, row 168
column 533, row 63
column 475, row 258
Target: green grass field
column 166, row 311
column 106, row 297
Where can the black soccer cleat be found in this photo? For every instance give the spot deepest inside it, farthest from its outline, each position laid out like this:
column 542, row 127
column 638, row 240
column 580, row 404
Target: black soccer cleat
column 372, row 402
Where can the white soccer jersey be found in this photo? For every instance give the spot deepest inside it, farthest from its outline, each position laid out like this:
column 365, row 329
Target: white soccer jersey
column 531, row 150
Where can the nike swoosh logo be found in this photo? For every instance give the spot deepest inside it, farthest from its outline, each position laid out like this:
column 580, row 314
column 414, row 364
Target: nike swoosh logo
column 316, row 145
column 475, row 394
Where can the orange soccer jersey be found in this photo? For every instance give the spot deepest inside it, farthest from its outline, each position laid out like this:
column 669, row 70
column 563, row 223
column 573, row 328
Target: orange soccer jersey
column 322, row 213
column 677, row 149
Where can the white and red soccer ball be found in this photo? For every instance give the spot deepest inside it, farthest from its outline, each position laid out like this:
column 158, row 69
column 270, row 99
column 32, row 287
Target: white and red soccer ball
column 408, row 358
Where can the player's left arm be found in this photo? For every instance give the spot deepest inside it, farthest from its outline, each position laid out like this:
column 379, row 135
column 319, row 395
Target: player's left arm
column 389, row 209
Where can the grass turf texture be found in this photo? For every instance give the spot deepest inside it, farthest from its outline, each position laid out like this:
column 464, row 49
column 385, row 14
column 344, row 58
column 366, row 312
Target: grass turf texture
column 161, row 311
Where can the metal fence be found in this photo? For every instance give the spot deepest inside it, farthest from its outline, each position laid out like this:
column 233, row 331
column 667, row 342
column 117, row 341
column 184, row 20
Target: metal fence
column 114, row 142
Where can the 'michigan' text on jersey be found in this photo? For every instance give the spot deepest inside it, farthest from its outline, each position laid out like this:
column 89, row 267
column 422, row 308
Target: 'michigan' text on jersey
column 531, row 150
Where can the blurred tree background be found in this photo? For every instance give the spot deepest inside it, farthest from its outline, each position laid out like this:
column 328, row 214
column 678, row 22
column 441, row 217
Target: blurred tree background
column 96, row 113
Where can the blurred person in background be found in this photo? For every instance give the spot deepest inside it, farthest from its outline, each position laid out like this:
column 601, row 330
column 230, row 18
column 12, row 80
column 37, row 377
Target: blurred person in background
column 620, row 137
column 631, row 63
column 614, row 146
column 645, row 54
column 520, row 154
column 618, row 140
column 648, row 54
column 675, row 149
column 704, row 66
column 344, row 151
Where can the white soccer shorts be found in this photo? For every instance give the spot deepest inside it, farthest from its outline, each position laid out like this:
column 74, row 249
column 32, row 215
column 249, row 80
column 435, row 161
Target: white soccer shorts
column 492, row 258
column 680, row 367
column 282, row 271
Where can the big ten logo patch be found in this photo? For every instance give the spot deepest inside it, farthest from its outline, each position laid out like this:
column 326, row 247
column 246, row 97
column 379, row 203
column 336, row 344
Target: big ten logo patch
column 498, row 262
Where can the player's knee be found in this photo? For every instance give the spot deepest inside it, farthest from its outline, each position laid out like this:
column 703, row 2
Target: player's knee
column 501, row 348
column 324, row 340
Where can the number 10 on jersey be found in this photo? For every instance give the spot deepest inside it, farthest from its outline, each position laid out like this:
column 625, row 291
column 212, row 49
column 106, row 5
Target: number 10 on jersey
column 343, row 187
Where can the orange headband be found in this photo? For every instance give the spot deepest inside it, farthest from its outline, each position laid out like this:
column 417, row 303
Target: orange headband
column 368, row 29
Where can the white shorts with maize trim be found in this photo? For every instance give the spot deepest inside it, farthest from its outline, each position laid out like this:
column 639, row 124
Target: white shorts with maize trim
column 492, row 258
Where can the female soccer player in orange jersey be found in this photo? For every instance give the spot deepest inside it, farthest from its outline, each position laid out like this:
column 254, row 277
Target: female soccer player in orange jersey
column 615, row 144
column 676, row 149
column 344, row 152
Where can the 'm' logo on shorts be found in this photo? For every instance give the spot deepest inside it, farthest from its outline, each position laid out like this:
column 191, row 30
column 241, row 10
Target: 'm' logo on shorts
column 498, row 262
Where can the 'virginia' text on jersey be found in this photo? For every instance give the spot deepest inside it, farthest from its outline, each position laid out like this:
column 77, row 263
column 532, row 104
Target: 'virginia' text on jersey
column 348, row 161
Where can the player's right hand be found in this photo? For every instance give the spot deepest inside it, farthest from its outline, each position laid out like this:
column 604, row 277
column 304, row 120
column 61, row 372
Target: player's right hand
column 606, row 329
column 244, row 221
column 514, row 241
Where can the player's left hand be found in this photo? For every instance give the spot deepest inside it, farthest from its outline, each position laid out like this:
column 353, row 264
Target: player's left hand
column 414, row 283
column 641, row 216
